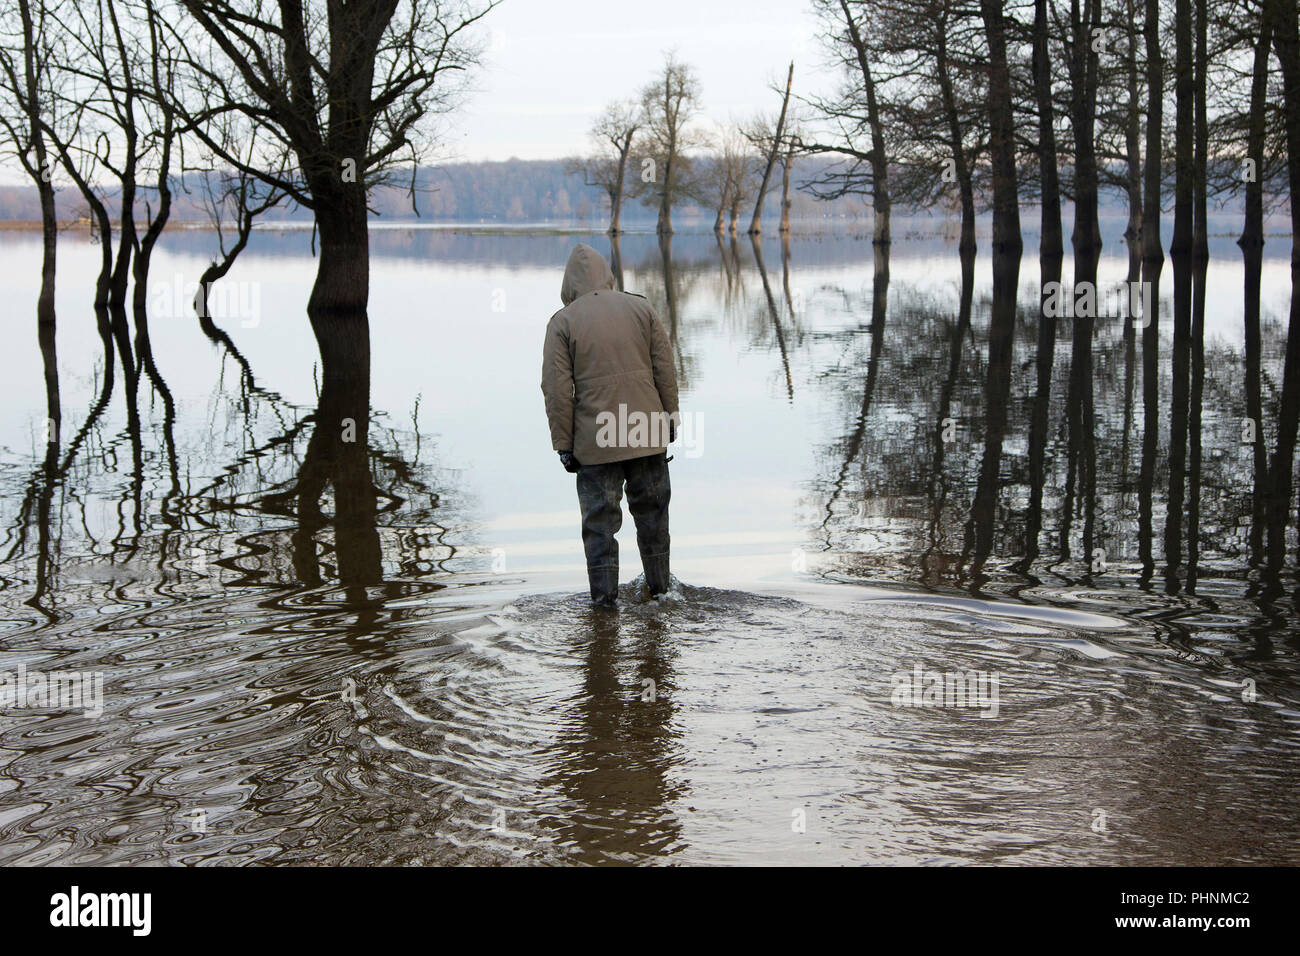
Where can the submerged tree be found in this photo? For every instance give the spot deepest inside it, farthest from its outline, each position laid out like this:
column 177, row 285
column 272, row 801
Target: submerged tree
column 349, row 89
column 774, row 148
column 936, row 67
column 613, row 134
column 855, row 124
column 668, row 104
column 27, row 99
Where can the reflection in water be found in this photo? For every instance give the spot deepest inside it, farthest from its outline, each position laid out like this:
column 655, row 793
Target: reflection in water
column 338, row 457
column 997, row 390
column 308, row 658
column 613, row 755
column 772, row 311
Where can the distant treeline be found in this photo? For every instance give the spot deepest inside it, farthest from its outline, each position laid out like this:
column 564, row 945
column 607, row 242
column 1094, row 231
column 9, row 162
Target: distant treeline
column 509, row 191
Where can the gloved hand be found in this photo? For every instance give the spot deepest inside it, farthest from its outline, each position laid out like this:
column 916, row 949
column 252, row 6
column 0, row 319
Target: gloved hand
column 570, row 463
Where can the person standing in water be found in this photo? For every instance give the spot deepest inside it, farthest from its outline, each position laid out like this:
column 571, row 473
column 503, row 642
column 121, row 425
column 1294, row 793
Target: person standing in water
column 610, row 389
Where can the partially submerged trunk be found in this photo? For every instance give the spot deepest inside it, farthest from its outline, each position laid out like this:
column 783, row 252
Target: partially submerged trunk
column 1180, row 256
column 1252, row 253
column 1287, row 45
column 880, row 202
column 756, row 224
column 664, row 226
column 46, row 323
column 1153, row 260
column 616, row 196
column 786, row 163
column 1200, row 263
column 981, row 527
column 342, row 286
column 1086, row 242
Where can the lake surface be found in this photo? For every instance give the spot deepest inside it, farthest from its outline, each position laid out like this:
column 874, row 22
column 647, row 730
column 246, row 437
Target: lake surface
column 316, row 651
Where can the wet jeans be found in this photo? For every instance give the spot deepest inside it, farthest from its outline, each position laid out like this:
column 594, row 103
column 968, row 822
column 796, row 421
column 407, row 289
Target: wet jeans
column 600, row 496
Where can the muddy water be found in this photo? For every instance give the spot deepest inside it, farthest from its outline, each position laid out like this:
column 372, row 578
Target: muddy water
column 379, row 652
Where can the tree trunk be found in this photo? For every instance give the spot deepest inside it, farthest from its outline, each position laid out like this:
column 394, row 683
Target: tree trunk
column 45, row 314
column 1153, row 253
column 343, row 276
column 1086, row 241
column 880, row 202
column 616, row 260
column 1180, row 254
column 1002, row 145
column 1200, row 263
column 1086, row 237
column 1051, row 243
column 756, row 224
column 1287, row 45
column 1051, row 253
column 1252, row 253
column 126, row 229
column 1153, row 260
column 616, row 198
column 785, row 191
column 981, row 528
column 961, row 167
column 1133, row 153
column 665, row 225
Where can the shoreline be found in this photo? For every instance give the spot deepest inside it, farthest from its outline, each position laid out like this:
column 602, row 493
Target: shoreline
column 816, row 228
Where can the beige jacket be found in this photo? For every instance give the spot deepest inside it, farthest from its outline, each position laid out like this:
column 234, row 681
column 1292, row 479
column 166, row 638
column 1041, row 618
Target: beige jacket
column 607, row 368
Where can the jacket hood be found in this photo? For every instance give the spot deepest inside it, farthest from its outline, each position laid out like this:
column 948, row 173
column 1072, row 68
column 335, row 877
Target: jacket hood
column 587, row 271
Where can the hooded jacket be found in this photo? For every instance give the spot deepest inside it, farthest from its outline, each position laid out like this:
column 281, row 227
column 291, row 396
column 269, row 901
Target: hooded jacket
column 607, row 368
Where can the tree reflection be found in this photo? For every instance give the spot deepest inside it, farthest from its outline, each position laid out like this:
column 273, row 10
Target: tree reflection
column 997, row 390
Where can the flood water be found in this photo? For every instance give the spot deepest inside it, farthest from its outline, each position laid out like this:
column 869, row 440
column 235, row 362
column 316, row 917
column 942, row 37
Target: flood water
column 320, row 650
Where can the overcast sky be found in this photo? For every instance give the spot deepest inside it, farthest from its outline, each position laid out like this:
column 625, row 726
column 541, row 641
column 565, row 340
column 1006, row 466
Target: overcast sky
column 553, row 64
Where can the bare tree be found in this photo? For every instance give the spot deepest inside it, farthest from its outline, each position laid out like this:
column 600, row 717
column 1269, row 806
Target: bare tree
column 233, row 199
column 613, row 133
column 774, row 147
column 27, row 55
column 856, row 124
column 669, row 103
column 110, row 126
column 730, row 178
column 933, row 54
column 348, row 88
column 160, row 157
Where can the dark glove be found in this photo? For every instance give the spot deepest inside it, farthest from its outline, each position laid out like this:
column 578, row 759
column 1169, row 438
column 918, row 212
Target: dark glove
column 570, row 463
